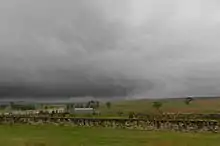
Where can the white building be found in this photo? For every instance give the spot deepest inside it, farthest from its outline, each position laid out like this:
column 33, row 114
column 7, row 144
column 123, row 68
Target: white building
column 84, row 110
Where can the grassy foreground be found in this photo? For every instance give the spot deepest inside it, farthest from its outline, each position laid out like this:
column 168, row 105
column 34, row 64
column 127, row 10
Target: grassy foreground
column 69, row 136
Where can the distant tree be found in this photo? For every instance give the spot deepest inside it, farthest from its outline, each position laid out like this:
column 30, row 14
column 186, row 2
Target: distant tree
column 188, row 100
column 131, row 115
column 108, row 105
column 46, row 107
column 157, row 105
column 53, row 112
column 92, row 104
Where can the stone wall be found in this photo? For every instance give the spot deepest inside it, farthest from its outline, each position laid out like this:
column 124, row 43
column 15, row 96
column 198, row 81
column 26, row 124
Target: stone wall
column 141, row 124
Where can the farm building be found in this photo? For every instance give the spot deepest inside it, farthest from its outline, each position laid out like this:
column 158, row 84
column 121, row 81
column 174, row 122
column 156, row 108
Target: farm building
column 83, row 110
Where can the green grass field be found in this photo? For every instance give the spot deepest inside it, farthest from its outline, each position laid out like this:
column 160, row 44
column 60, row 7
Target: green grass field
column 211, row 105
column 49, row 135
column 198, row 105
column 70, row 136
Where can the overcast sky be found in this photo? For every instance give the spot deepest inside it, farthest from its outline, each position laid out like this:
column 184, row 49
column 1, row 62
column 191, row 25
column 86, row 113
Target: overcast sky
column 110, row 48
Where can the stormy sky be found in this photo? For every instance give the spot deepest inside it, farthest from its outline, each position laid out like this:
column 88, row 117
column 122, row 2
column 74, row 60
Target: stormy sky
column 109, row 48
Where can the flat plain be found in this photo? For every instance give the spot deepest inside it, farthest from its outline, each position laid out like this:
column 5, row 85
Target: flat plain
column 198, row 105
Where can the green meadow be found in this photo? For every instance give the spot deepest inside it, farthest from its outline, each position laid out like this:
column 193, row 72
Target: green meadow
column 48, row 135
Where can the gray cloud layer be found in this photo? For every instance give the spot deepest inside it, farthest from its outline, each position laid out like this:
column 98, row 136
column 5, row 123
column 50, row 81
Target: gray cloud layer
column 150, row 48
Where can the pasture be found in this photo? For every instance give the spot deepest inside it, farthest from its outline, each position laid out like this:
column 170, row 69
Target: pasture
column 123, row 108
column 48, row 135
column 200, row 105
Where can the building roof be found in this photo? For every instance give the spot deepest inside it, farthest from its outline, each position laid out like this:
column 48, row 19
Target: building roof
column 83, row 109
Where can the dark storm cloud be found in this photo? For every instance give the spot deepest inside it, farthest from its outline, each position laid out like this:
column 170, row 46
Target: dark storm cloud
column 54, row 48
column 109, row 48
